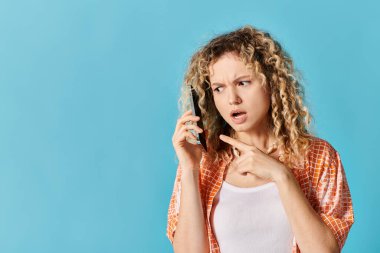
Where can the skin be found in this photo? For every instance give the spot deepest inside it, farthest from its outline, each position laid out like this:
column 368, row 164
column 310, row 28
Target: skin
column 231, row 92
column 253, row 136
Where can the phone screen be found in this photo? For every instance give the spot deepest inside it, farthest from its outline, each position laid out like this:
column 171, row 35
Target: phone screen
column 197, row 112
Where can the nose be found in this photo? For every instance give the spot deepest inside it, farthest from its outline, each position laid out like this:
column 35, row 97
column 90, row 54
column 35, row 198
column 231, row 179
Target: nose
column 234, row 98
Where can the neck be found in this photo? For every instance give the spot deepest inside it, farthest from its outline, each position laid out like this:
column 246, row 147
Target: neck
column 262, row 138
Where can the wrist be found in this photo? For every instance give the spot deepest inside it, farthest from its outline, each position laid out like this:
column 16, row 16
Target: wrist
column 190, row 176
column 282, row 175
column 190, row 171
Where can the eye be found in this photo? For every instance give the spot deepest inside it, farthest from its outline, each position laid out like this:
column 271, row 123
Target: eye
column 242, row 82
column 216, row 89
column 245, row 83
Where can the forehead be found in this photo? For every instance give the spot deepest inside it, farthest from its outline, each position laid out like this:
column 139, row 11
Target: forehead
column 228, row 63
column 228, row 66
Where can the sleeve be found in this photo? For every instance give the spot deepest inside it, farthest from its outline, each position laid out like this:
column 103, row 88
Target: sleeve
column 174, row 206
column 175, row 200
column 333, row 196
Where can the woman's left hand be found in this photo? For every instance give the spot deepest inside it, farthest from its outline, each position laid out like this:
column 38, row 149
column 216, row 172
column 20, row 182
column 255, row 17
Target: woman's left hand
column 253, row 160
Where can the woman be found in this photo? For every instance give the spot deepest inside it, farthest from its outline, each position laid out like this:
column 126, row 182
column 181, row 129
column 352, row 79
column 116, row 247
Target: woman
column 265, row 183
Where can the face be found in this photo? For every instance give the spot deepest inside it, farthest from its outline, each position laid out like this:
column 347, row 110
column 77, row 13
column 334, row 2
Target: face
column 234, row 86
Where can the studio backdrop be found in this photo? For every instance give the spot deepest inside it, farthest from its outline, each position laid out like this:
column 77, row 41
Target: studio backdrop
column 88, row 107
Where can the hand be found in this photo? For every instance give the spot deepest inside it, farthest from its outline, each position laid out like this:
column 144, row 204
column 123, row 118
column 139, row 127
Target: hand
column 189, row 153
column 253, row 160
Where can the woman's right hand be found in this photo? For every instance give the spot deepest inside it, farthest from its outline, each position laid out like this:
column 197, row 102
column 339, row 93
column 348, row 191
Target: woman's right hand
column 189, row 154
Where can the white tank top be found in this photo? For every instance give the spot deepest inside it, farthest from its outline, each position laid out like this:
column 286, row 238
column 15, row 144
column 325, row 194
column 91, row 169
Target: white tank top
column 250, row 220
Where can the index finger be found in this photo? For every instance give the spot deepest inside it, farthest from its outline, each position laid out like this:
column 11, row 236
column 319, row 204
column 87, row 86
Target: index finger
column 236, row 143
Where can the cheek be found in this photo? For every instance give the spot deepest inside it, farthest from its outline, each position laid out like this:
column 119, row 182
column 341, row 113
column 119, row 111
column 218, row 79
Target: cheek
column 219, row 104
column 222, row 107
column 258, row 107
column 260, row 101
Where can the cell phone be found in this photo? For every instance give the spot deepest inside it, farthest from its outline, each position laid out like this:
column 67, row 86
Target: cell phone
column 194, row 98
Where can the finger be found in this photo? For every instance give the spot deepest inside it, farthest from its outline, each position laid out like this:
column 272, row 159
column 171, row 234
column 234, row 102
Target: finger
column 248, row 158
column 236, row 143
column 184, row 131
column 186, row 113
column 190, row 138
column 194, row 127
column 181, row 121
column 244, row 167
column 238, row 167
column 190, row 117
column 183, row 135
column 241, row 159
column 189, row 120
column 191, row 135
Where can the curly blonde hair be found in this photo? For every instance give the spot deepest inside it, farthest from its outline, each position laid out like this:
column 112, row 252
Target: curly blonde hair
column 289, row 117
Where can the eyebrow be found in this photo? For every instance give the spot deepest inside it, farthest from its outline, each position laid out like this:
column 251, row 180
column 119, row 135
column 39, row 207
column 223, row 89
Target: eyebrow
column 240, row 77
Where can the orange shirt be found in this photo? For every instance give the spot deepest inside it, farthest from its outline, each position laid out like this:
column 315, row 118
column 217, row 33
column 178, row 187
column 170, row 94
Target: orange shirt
column 323, row 181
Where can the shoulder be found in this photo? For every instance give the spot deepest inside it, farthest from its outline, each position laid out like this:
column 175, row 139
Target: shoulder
column 320, row 149
column 323, row 158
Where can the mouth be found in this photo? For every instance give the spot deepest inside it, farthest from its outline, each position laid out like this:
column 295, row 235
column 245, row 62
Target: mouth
column 238, row 116
column 237, row 113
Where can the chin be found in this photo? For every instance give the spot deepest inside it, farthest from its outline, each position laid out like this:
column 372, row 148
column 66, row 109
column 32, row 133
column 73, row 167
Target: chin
column 245, row 127
column 240, row 128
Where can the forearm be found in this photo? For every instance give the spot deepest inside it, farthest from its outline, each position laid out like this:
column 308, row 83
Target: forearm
column 311, row 233
column 191, row 234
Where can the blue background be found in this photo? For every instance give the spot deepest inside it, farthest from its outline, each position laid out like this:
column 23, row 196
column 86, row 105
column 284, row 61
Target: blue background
column 88, row 106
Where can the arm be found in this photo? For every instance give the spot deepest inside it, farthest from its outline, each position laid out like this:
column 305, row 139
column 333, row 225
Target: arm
column 322, row 222
column 186, row 226
column 312, row 234
column 321, row 225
